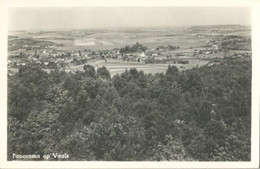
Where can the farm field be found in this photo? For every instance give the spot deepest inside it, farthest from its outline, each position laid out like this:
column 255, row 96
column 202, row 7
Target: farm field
column 118, row 67
column 110, row 42
column 110, row 39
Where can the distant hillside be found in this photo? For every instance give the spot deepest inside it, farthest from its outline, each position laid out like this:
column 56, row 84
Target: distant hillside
column 234, row 26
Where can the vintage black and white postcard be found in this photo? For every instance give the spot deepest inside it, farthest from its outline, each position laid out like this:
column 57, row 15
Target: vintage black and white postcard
column 130, row 84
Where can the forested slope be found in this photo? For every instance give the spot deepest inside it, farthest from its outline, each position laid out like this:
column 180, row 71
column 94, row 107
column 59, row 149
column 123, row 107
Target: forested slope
column 199, row 114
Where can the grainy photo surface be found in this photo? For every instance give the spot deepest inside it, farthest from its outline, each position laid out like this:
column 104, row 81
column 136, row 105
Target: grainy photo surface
column 129, row 84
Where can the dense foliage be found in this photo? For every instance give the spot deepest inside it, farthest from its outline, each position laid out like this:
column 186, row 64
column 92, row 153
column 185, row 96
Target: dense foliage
column 132, row 49
column 199, row 114
column 235, row 42
column 169, row 47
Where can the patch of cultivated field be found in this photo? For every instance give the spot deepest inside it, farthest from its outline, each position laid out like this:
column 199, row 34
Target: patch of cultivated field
column 104, row 41
column 63, row 42
column 118, row 67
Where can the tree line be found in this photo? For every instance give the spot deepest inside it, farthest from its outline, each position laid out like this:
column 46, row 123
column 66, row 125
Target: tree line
column 132, row 49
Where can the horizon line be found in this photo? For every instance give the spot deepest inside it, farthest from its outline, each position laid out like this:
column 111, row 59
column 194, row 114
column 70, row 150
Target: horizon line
column 124, row 27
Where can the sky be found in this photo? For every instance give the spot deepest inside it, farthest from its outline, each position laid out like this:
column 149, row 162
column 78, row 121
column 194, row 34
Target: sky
column 53, row 18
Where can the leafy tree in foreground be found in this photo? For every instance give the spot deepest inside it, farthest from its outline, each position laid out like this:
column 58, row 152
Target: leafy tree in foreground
column 200, row 114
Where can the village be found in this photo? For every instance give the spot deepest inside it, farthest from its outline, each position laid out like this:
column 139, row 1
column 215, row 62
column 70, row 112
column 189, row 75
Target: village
column 49, row 55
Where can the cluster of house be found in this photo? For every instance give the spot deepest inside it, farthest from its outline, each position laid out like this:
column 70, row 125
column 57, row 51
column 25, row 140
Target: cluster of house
column 49, row 58
column 58, row 58
column 205, row 51
column 60, row 62
column 152, row 53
